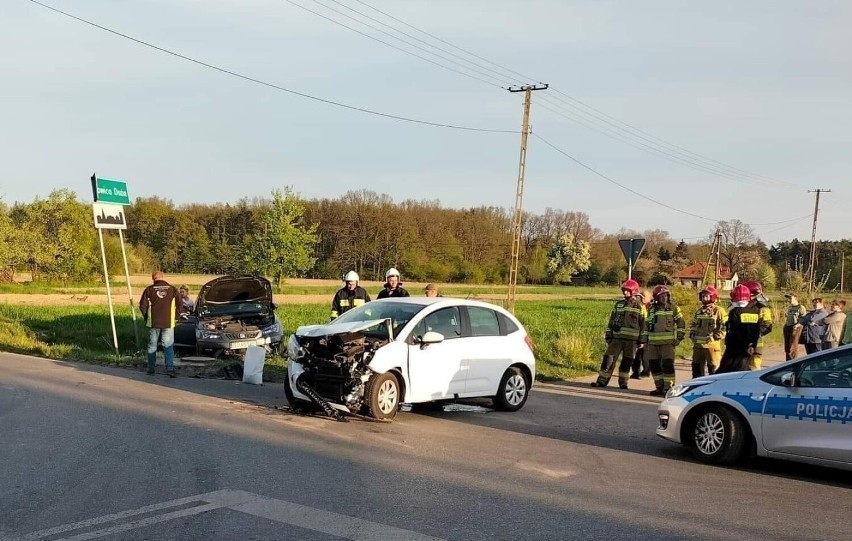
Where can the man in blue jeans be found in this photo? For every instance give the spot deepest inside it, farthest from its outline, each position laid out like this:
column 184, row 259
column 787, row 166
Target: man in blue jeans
column 160, row 309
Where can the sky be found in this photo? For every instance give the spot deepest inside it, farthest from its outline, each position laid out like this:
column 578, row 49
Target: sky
column 758, row 93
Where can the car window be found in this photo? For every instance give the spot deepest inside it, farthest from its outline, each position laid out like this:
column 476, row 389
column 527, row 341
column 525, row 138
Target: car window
column 506, row 325
column 827, row 371
column 446, row 321
column 483, row 322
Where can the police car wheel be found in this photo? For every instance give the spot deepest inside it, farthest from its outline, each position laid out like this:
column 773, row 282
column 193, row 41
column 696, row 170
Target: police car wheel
column 718, row 436
column 513, row 390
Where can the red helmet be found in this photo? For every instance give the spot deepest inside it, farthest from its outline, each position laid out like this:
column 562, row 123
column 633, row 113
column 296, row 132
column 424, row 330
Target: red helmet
column 632, row 286
column 711, row 291
column 740, row 293
column 754, row 287
column 659, row 290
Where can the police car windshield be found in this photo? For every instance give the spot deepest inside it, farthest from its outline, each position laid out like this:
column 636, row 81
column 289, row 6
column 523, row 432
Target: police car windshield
column 400, row 314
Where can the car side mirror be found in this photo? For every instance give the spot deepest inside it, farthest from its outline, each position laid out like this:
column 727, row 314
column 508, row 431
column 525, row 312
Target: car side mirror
column 431, row 337
column 788, row 379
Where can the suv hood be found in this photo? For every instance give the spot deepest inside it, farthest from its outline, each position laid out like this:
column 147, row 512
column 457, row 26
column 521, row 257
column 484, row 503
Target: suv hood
column 235, row 290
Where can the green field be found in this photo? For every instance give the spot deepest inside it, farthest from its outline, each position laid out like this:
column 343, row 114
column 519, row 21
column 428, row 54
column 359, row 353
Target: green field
column 568, row 334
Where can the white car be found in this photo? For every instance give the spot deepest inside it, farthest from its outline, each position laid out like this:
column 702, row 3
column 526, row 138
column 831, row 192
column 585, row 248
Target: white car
column 410, row 350
column 800, row 410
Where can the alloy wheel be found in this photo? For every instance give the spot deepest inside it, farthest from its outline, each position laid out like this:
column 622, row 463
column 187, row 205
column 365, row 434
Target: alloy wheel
column 709, row 433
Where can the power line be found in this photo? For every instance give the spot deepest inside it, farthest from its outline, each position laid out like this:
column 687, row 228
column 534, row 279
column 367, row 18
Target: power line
column 267, row 84
column 647, row 148
column 597, row 115
column 500, row 77
column 368, row 36
column 643, row 196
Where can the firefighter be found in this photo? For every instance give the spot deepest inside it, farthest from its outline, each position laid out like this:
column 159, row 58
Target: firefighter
column 706, row 332
column 393, row 287
column 626, row 322
column 664, row 331
column 349, row 296
column 743, row 332
column 759, row 300
column 640, row 363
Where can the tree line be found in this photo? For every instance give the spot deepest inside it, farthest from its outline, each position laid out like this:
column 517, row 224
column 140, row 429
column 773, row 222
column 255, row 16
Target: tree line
column 287, row 236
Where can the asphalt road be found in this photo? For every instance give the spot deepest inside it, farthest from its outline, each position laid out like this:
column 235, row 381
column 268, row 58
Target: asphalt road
column 90, row 452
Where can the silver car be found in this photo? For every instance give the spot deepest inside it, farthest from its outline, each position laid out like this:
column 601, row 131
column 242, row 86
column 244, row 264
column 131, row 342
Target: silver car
column 800, row 410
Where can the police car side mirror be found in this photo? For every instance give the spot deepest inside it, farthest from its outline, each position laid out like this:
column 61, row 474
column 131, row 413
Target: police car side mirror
column 788, row 379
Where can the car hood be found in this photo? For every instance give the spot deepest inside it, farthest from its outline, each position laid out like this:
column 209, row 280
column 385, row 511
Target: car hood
column 235, row 289
column 313, row 331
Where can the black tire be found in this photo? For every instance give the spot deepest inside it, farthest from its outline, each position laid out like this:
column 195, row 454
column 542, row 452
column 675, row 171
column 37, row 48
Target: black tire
column 718, row 436
column 513, row 391
column 297, row 404
column 383, row 395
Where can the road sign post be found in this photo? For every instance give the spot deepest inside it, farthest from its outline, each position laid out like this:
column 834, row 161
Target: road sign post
column 110, row 196
column 632, row 249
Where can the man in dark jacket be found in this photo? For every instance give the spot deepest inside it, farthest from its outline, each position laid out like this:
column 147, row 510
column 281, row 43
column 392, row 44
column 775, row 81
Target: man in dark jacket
column 812, row 330
column 349, row 296
column 160, row 309
column 745, row 327
column 393, row 287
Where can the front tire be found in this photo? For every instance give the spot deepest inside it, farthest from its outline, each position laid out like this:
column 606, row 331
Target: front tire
column 718, row 436
column 513, row 391
column 383, row 394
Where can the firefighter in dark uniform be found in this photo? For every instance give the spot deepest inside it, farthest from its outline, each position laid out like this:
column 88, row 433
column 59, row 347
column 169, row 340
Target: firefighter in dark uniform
column 665, row 330
column 626, row 322
column 758, row 300
column 393, row 287
column 349, row 296
column 744, row 332
column 706, row 331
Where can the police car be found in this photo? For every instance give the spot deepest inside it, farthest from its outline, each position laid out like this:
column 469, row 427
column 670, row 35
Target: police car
column 800, row 410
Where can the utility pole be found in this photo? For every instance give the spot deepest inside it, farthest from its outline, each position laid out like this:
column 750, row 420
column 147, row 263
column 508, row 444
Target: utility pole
column 811, row 270
column 713, row 260
column 842, row 269
column 517, row 217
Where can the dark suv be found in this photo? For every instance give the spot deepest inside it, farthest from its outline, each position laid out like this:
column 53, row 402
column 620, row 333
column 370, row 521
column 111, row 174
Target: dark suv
column 231, row 313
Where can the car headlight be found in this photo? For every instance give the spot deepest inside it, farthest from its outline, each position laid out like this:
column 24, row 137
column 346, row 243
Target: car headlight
column 683, row 388
column 293, row 348
column 203, row 334
column 275, row 328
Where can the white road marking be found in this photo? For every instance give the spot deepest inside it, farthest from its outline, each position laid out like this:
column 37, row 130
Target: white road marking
column 310, row 518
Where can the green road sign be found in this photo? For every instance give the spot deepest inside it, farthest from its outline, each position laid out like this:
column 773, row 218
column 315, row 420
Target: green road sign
column 110, row 191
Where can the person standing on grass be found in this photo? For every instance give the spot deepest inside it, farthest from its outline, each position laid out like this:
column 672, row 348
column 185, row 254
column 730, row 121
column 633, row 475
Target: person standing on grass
column 812, row 331
column 795, row 312
column 833, row 323
column 186, row 304
column 160, row 309
column 393, row 286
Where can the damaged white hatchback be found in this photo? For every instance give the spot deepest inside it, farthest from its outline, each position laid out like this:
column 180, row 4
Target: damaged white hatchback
column 410, row 350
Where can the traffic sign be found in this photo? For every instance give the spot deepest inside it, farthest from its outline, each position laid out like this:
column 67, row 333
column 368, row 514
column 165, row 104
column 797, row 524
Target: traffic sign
column 632, row 249
column 109, row 216
column 106, row 190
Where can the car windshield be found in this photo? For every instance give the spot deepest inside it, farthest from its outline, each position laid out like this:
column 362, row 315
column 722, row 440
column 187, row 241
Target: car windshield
column 400, row 314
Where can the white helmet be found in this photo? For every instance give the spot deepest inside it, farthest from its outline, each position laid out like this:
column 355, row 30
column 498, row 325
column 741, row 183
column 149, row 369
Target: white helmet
column 351, row 276
column 391, row 272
